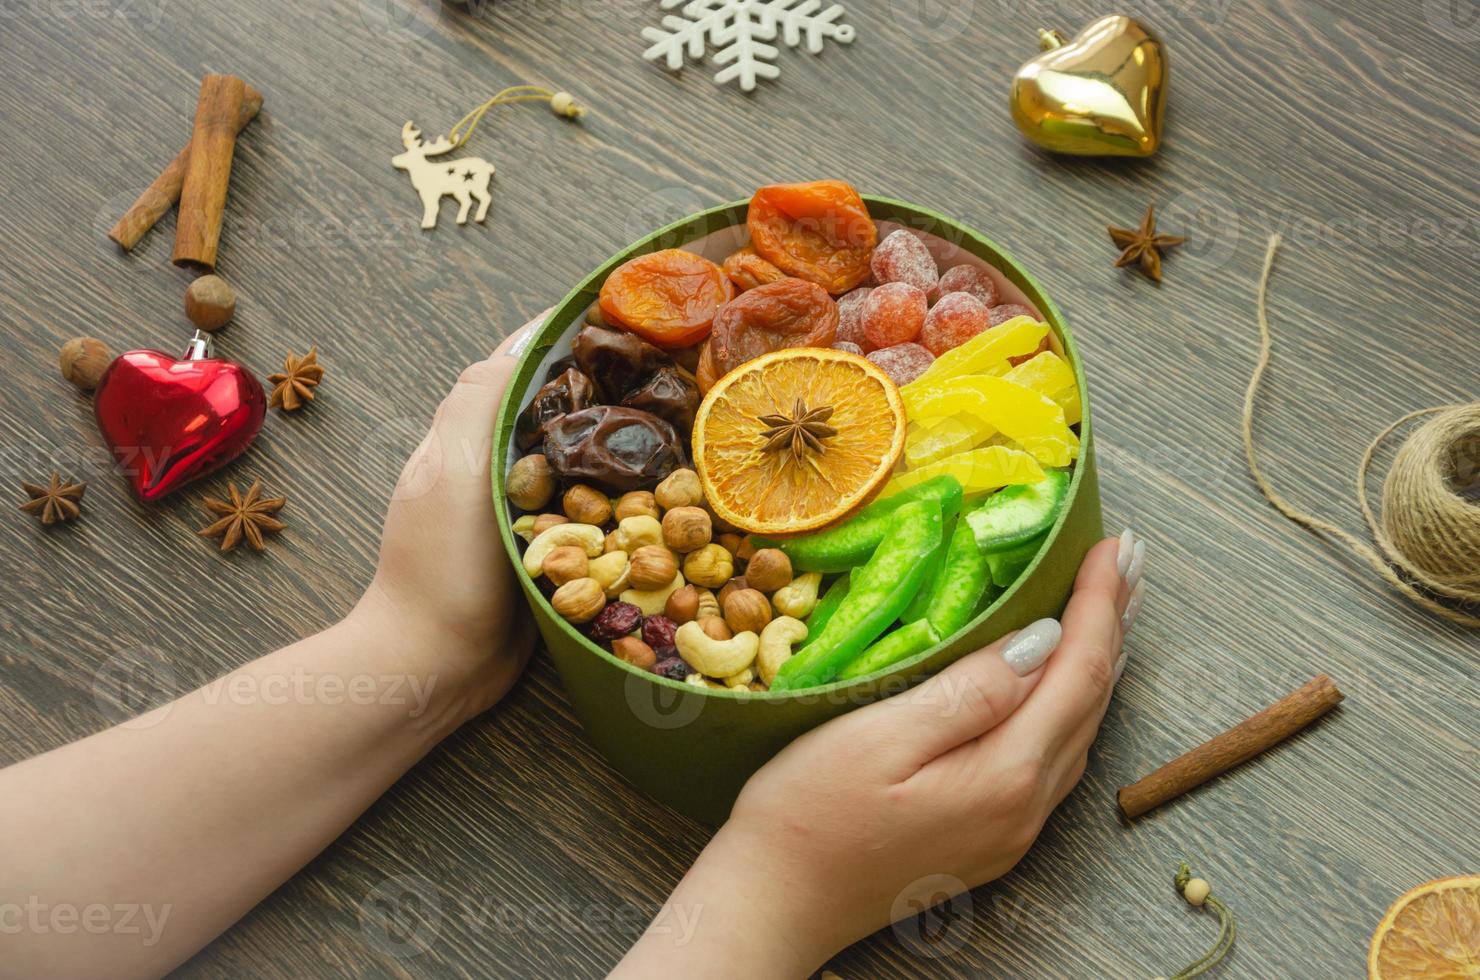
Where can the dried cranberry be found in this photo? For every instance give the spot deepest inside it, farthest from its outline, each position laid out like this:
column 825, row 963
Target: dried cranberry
column 672, row 668
column 617, row 619
column 658, row 631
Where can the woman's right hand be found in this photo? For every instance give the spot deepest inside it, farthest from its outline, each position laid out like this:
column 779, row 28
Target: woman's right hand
column 898, row 805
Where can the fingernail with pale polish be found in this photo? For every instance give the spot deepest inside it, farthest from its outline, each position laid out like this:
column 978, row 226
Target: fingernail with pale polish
column 1026, row 651
column 1132, row 607
column 1125, row 552
column 1137, row 566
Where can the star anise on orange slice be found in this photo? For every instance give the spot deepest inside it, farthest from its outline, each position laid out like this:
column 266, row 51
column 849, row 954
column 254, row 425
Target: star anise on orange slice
column 243, row 518
column 804, row 429
column 293, row 386
column 1143, row 244
column 57, row 501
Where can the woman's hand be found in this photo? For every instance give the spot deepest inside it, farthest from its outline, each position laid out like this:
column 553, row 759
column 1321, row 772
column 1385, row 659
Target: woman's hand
column 898, row 805
column 443, row 582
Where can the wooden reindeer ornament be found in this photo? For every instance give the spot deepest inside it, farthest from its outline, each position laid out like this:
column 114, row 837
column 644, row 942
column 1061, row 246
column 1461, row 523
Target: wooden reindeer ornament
column 465, row 178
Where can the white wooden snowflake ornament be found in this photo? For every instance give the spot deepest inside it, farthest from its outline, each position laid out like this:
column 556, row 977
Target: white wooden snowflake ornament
column 737, row 31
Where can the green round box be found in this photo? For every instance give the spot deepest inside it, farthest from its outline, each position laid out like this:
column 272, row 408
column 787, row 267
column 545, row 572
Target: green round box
column 693, row 748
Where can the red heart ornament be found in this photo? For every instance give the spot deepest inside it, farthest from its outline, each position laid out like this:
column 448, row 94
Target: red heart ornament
column 169, row 421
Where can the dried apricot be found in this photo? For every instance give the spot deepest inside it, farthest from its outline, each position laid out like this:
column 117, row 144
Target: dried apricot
column 748, row 270
column 785, row 313
column 705, row 373
column 818, row 231
column 667, row 298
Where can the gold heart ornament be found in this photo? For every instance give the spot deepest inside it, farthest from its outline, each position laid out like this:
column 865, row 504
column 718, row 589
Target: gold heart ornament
column 1102, row 94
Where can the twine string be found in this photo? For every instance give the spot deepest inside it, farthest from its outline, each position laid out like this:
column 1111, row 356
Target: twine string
column 1227, row 931
column 1427, row 528
column 463, row 131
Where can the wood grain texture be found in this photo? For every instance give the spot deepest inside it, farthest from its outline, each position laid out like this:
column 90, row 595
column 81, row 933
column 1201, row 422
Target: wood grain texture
column 1346, row 126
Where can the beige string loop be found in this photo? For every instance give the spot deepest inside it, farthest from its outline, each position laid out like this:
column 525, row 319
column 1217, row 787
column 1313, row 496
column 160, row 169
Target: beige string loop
column 561, row 103
column 1428, row 529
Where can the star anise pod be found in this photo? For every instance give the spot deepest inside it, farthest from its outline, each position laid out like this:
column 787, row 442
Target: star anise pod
column 804, row 429
column 1143, row 244
column 57, row 501
column 243, row 518
column 293, row 387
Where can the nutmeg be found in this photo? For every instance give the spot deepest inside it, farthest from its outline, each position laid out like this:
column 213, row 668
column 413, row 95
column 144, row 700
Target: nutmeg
column 587, row 505
column 747, row 610
column 565, row 563
column 768, row 570
column 635, row 503
column 83, row 361
column 531, row 483
column 715, row 628
column 683, row 604
column 687, row 529
column 579, row 600
column 210, row 302
column 653, row 566
column 634, row 651
column 681, row 488
column 544, row 522
column 710, row 566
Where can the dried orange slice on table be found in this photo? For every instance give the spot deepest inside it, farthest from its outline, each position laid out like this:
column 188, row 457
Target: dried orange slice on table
column 1433, row 932
column 797, row 439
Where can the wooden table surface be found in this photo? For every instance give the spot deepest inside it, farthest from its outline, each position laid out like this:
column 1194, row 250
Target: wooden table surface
column 1347, row 126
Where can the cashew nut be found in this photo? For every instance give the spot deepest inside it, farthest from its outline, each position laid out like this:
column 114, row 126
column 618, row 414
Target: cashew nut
column 635, row 531
column 715, row 658
column 652, row 601
column 699, row 680
column 587, row 536
column 524, row 527
column 800, row 597
column 777, row 639
column 740, row 681
column 610, row 572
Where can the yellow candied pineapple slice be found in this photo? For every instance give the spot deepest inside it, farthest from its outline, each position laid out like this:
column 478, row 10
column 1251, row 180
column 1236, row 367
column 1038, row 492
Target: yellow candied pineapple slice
column 978, row 471
column 1048, row 374
column 979, row 355
column 965, row 411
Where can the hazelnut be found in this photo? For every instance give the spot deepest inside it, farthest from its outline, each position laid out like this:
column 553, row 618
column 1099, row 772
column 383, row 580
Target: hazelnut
column 531, row 484
column 565, row 563
column 747, row 610
column 747, row 549
column 210, row 302
column 635, row 503
column 708, row 605
column 710, row 566
column 579, row 600
column 653, row 566
column 681, row 488
column 715, row 628
column 594, row 316
column 612, row 543
column 634, row 651
column 587, row 505
column 768, row 570
column 733, row 585
column 683, row 605
column 687, row 529
column 544, row 522
column 83, row 361
column 634, row 532
column 731, row 543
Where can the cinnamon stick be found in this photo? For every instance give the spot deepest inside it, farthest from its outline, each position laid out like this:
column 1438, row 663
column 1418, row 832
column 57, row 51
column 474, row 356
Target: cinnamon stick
column 208, row 171
column 162, row 194
column 1237, row 745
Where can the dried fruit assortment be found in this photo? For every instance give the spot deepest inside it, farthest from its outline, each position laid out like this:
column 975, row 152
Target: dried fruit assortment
column 808, row 463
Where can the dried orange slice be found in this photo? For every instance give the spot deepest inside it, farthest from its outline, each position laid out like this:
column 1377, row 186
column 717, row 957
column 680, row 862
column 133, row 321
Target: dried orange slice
column 796, row 439
column 1433, row 932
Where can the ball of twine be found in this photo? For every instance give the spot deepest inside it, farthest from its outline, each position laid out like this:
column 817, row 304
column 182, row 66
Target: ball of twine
column 1430, row 525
